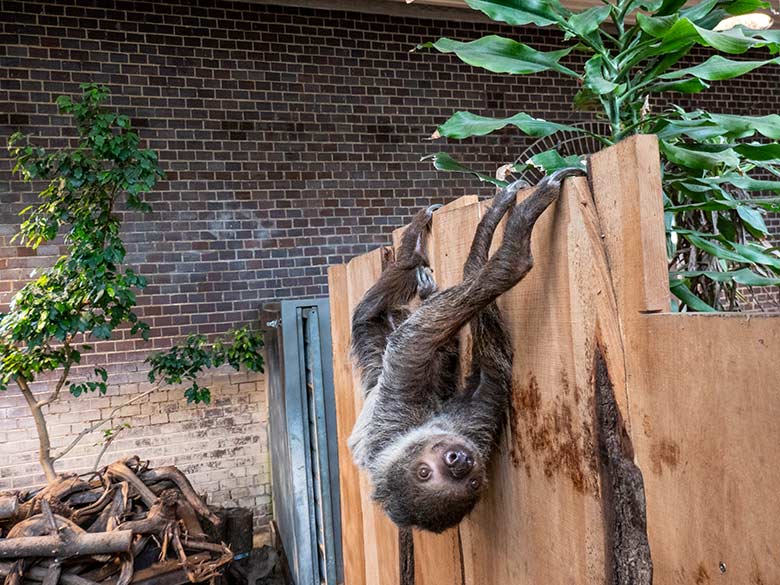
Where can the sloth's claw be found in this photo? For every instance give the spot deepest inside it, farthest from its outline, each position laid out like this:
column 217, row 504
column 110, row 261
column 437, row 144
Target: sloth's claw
column 426, row 285
column 434, row 207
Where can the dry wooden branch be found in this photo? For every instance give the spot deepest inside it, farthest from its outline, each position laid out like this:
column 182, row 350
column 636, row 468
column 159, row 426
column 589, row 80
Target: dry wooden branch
column 171, row 473
column 161, row 514
column 118, row 470
column 56, row 546
column 107, row 521
column 9, row 506
column 39, row 574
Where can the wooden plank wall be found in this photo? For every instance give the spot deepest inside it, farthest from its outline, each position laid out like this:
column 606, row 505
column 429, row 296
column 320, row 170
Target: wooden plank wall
column 698, row 395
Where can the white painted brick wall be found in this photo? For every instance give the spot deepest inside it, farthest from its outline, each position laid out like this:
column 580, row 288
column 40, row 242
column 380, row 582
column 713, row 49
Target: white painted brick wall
column 222, row 447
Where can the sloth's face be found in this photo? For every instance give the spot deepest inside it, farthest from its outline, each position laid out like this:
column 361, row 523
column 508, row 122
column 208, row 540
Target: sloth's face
column 449, row 464
column 432, row 486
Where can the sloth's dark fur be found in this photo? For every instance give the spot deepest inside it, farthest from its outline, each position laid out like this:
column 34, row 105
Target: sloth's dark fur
column 425, row 440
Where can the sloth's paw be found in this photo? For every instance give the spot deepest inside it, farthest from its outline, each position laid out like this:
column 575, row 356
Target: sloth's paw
column 426, row 285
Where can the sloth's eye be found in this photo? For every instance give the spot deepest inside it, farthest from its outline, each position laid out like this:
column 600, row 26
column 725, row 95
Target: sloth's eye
column 424, row 472
column 474, row 483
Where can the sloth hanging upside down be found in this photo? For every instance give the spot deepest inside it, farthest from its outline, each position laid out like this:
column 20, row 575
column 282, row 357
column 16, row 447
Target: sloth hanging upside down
column 425, row 440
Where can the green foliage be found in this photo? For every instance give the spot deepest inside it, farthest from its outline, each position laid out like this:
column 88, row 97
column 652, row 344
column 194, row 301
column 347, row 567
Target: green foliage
column 717, row 168
column 184, row 363
column 87, row 292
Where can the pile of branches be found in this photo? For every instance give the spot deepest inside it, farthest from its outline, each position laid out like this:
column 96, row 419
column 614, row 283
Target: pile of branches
column 126, row 523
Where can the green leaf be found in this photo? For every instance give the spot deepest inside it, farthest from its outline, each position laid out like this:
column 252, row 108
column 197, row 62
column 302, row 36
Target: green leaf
column 465, row 124
column 698, row 159
column 692, row 85
column 667, row 7
column 444, row 162
column 702, row 126
column 757, row 151
column 682, row 292
column 502, row 55
column 744, row 182
column 698, row 11
column 521, row 12
column 551, row 160
column 674, row 34
column 757, row 255
column 744, row 276
column 768, row 126
column 102, row 331
column 713, row 248
column 588, row 21
column 594, row 77
column 753, row 220
column 718, row 68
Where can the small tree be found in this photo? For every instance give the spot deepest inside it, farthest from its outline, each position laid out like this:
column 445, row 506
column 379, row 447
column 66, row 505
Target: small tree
column 713, row 164
column 87, row 293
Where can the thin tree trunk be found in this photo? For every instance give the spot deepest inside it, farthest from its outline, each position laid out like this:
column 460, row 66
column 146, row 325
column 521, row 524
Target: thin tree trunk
column 44, row 443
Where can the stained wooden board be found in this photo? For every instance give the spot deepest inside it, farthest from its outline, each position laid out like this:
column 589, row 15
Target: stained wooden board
column 349, row 479
column 705, row 412
column 541, row 520
column 380, row 536
column 543, row 504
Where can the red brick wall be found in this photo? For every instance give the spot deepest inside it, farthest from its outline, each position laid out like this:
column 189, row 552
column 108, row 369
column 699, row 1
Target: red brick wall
column 291, row 140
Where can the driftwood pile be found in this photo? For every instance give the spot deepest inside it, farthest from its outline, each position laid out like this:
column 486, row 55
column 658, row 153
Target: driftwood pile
column 126, row 523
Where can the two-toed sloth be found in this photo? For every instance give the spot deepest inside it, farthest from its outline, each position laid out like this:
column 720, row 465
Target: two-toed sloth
column 424, row 438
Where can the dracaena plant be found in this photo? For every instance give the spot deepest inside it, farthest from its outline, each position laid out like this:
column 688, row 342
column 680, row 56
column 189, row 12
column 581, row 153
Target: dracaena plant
column 720, row 171
column 88, row 292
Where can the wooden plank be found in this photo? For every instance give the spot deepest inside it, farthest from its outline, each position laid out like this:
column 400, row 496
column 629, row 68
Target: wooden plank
column 438, row 556
column 705, row 407
column 349, row 479
column 541, row 520
column 626, row 180
column 380, row 536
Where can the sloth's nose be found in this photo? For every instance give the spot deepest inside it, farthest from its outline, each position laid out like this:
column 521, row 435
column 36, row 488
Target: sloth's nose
column 459, row 463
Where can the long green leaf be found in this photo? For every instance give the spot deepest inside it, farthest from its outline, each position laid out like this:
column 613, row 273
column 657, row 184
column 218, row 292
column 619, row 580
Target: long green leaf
column 465, row 124
column 682, row 292
column 691, row 85
column 713, row 248
column 718, row 68
column 502, row 55
column 521, row 12
column 743, row 276
column 698, row 11
column 768, row 126
column 757, row 151
column 757, row 255
column 594, row 78
column 551, row 160
column 744, row 182
column 444, row 162
column 698, row 159
column 706, row 125
column 588, row 21
column 674, row 34
column 753, row 221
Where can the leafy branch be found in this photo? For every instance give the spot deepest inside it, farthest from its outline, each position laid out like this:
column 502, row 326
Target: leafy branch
column 184, row 363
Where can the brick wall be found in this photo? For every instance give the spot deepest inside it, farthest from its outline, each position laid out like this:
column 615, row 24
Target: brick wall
column 221, row 447
column 291, row 138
